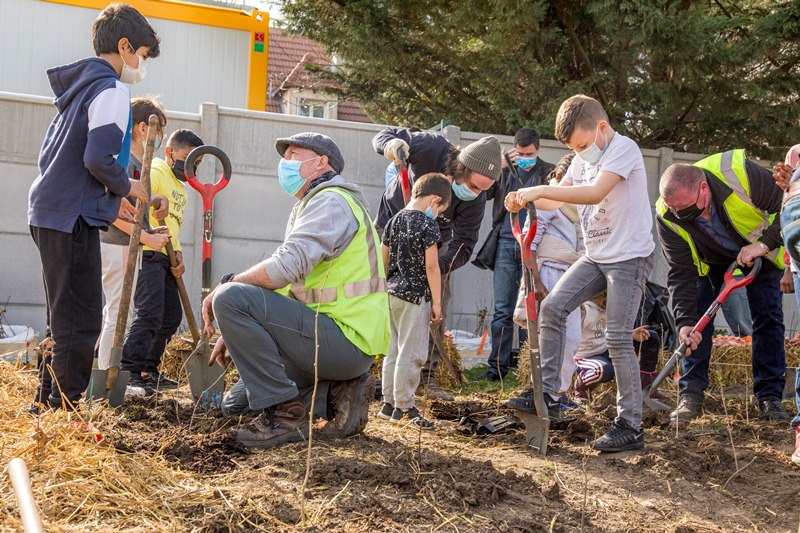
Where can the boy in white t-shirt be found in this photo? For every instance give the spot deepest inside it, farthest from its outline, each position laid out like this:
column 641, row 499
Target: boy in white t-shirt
column 608, row 182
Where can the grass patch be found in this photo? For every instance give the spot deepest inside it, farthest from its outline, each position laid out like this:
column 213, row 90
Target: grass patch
column 471, row 384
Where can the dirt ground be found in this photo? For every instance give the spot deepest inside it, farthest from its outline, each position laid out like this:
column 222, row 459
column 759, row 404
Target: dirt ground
column 400, row 479
column 722, row 473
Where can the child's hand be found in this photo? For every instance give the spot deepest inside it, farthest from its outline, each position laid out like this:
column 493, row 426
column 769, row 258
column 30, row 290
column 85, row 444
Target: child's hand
column 180, row 268
column 138, row 191
column 641, row 334
column 156, row 241
column 126, row 211
column 436, row 313
column 511, row 202
column 160, row 206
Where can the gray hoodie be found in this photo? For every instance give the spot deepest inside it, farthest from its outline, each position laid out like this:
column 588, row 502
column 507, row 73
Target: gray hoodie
column 320, row 232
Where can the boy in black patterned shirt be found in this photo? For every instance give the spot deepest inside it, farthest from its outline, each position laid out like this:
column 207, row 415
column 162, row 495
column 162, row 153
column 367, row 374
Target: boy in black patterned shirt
column 410, row 253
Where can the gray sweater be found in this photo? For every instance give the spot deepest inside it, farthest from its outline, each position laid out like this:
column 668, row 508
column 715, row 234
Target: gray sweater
column 320, row 232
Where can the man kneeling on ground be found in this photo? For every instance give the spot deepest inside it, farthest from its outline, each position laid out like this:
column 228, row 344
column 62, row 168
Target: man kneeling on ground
column 325, row 286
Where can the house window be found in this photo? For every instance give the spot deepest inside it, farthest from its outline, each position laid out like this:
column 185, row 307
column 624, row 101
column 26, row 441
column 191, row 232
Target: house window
column 311, row 108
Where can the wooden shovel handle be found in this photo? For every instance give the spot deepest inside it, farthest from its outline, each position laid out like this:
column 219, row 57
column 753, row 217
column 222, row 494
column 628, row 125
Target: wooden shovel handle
column 187, row 306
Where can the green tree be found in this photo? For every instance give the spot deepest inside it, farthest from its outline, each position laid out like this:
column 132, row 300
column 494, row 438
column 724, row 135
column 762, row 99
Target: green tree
column 691, row 75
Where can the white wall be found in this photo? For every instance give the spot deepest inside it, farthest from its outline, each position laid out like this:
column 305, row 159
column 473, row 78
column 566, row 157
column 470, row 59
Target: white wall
column 251, row 213
column 203, row 63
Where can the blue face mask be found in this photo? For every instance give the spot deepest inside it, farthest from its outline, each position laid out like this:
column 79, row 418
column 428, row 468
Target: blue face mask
column 526, row 163
column 463, row 192
column 289, row 175
column 429, row 214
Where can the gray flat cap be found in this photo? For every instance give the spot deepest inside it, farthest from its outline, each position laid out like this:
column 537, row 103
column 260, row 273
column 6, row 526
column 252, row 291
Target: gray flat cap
column 318, row 143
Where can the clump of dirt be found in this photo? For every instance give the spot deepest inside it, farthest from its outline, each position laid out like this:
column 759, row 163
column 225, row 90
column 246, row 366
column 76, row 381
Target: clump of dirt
column 199, row 442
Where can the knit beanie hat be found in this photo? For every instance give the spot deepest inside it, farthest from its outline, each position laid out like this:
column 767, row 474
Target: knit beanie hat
column 483, row 157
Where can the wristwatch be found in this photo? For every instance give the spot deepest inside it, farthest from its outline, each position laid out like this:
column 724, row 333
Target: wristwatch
column 226, row 278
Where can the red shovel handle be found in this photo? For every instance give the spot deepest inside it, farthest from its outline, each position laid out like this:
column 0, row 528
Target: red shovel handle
column 207, row 189
column 405, row 185
column 525, row 239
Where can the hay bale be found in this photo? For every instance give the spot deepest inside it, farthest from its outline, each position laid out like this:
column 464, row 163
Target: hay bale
column 443, row 377
column 524, row 365
column 733, row 365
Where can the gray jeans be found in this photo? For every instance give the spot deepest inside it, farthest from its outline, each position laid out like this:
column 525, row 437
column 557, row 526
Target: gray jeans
column 584, row 280
column 407, row 351
column 272, row 342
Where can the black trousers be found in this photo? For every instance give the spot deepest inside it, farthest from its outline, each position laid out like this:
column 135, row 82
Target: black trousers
column 158, row 314
column 73, row 288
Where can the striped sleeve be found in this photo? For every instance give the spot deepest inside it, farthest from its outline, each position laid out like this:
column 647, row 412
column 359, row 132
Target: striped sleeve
column 106, row 150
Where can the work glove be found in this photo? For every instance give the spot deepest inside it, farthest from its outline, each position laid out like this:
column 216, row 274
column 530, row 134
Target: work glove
column 391, row 148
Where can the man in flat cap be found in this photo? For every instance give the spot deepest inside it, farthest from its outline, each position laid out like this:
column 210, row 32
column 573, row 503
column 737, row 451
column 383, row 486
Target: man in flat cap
column 325, row 287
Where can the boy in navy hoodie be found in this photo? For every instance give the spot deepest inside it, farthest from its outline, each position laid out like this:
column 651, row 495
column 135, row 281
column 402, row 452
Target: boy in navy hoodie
column 81, row 188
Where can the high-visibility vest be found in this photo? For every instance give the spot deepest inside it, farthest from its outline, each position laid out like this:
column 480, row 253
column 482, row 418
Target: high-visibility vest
column 749, row 221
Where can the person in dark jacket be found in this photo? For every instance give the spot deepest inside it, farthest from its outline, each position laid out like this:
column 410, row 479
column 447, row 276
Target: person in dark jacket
column 720, row 210
column 472, row 171
column 500, row 252
column 83, row 181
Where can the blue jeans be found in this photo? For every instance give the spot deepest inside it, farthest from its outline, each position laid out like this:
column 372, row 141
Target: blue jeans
column 624, row 281
column 790, row 224
column 769, row 356
column 506, row 278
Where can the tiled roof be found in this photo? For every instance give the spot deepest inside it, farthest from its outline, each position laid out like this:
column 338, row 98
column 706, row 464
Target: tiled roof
column 288, row 56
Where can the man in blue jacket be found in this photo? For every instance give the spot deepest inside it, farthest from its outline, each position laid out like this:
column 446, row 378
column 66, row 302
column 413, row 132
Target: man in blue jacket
column 83, row 179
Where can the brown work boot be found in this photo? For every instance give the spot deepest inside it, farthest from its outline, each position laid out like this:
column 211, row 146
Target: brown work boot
column 349, row 403
column 690, row 406
column 279, row 424
column 429, row 388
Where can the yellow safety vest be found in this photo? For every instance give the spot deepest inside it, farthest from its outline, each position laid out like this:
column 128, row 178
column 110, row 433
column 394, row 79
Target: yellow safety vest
column 350, row 289
column 748, row 220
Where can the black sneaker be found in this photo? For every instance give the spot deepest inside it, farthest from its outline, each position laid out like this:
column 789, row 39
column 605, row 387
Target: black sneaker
column 772, row 410
column 620, row 437
column 412, row 417
column 488, row 376
column 524, row 402
column 138, row 386
column 159, row 382
column 386, row 411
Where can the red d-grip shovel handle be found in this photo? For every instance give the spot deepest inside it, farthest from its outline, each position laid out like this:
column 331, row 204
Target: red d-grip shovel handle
column 207, row 192
column 405, row 184
column 730, row 284
column 525, row 240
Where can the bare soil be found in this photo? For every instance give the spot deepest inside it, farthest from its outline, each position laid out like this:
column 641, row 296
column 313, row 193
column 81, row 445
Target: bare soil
column 722, row 473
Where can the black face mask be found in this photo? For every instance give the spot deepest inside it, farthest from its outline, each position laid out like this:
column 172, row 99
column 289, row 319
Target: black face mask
column 178, row 170
column 688, row 214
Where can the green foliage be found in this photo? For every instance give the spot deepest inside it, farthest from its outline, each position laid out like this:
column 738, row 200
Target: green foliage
column 691, row 75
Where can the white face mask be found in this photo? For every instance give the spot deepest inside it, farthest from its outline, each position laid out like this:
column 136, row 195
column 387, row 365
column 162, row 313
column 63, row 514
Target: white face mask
column 593, row 153
column 131, row 75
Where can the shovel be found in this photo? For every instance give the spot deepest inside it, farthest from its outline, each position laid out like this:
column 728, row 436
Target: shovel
column 730, row 284
column 205, row 383
column 537, row 425
column 405, row 184
column 111, row 384
column 206, row 380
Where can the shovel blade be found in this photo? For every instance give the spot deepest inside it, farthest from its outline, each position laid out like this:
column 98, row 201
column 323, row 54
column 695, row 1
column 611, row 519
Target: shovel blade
column 97, row 390
column 537, row 431
column 207, row 383
column 655, row 403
